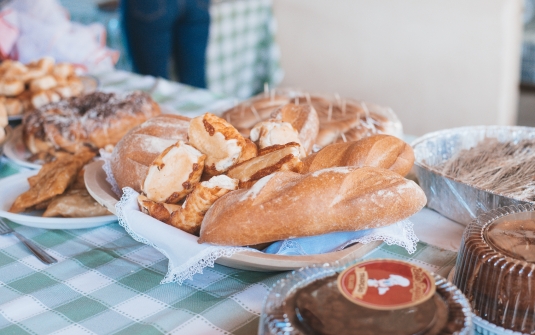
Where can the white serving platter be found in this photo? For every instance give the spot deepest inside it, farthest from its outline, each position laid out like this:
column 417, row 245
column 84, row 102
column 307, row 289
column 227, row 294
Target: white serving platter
column 11, row 187
column 15, row 150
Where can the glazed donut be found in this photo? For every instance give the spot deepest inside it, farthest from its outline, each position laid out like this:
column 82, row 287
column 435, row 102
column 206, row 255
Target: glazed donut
column 43, row 83
column 63, row 70
column 13, row 106
column 11, row 87
column 39, row 68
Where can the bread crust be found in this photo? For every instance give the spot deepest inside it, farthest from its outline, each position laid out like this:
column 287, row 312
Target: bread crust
column 288, row 205
column 134, row 153
column 382, row 151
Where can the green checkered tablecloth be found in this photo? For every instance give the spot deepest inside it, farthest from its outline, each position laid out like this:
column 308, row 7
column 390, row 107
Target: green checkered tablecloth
column 242, row 54
column 107, row 283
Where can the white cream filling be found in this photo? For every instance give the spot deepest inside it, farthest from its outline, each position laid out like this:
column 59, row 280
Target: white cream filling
column 178, row 162
column 233, row 151
column 339, row 169
column 221, row 181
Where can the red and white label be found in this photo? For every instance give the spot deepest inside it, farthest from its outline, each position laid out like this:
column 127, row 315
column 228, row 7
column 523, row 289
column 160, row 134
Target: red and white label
column 386, row 284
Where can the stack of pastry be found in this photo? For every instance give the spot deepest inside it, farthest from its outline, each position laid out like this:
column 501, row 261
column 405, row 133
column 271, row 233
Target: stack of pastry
column 59, row 189
column 25, row 87
column 340, row 119
column 234, row 190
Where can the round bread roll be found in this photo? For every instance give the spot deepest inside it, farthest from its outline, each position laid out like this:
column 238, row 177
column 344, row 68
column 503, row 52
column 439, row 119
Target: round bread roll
column 136, row 151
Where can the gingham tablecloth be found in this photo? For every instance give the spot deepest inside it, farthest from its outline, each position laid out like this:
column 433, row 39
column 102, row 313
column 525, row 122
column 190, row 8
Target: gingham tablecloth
column 242, row 54
column 107, row 283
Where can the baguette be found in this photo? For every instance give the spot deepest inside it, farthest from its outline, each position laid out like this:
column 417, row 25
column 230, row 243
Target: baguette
column 287, row 205
column 384, row 151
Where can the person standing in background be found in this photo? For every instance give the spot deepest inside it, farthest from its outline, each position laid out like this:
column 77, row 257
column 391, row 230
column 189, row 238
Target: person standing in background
column 159, row 30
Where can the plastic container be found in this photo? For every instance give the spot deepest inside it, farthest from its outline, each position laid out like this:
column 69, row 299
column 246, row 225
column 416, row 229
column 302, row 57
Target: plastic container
column 495, row 267
column 316, row 300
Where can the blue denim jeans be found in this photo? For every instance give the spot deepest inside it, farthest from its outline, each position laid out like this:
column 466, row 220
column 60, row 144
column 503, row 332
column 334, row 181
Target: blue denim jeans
column 157, row 30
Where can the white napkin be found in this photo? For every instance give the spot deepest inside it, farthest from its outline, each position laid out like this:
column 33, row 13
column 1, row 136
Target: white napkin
column 187, row 257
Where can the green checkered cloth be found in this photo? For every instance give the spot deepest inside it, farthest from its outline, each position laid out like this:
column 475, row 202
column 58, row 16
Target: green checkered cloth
column 242, row 54
column 107, row 283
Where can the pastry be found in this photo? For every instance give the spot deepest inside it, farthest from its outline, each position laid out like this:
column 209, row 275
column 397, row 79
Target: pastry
column 96, row 120
column 270, row 160
column 222, row 144
column 174, row 173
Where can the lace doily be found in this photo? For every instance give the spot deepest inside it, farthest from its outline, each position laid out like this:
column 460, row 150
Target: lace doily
column 197, row 256
column 187, row 257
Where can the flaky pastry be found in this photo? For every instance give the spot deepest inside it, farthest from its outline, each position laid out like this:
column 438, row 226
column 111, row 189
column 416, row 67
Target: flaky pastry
column 270, row 160
column 189, row 216
column 272, row 132
column 222, row 144
column 174, row 173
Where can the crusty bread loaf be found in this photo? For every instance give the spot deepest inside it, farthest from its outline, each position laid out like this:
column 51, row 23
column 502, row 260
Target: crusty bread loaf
column 384, row 151
column 135, row 152
column 286, row 205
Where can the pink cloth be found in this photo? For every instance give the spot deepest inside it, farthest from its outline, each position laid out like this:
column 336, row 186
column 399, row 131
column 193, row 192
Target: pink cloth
column 34, row 29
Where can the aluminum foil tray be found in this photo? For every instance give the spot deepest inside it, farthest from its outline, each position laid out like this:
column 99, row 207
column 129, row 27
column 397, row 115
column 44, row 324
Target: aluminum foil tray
column 453, row 199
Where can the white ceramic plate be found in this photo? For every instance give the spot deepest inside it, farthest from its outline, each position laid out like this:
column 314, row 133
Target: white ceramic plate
column 15, row 150
column 12, row 187
column 100, row 190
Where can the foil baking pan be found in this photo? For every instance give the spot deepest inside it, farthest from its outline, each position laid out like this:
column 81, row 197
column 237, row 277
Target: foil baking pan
column 450, row 197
